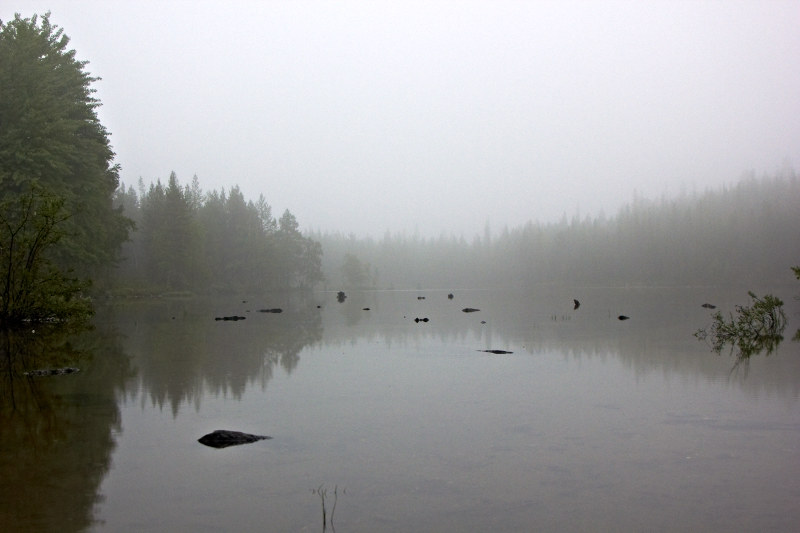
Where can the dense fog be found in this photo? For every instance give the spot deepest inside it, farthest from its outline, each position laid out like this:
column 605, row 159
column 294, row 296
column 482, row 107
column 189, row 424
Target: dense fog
column 188, row 239
column 748, row 233
column 367, row 117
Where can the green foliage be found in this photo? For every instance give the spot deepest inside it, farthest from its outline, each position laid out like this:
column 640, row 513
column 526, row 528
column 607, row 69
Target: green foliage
column 754, row 329
column 33, row 288
column 50, row 137
column 188, row 240
column 172, row 236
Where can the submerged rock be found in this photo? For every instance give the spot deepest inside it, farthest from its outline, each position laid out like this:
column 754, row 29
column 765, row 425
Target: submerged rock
column 222, row 438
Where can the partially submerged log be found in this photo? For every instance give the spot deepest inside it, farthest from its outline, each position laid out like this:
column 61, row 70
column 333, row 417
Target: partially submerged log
column 52, row 371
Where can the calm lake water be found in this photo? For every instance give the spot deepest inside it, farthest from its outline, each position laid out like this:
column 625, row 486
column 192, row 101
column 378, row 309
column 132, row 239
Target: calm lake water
column 591, row 424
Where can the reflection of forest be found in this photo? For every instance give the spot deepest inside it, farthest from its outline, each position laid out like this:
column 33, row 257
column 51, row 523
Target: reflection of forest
column 181, row 353
column 658, row 338
column 56, row 432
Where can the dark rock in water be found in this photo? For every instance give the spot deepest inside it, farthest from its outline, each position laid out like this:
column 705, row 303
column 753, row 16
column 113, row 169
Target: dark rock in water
column 340, row 296
column 450, row 296
column 577, row 304
column 709, row 306
column 623, row 317
column 227, row 318
column 52, row 371
column 470, row 310
column 222, row 438
column 495, row 351
column 275, row 310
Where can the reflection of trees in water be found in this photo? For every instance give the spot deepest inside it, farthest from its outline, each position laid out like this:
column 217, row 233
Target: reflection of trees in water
column 57, row 431
column 33, row 348
column 182, row 353
column 657, row 340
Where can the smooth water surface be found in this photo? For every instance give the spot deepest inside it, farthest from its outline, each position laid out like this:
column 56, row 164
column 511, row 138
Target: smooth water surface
column 590, row 424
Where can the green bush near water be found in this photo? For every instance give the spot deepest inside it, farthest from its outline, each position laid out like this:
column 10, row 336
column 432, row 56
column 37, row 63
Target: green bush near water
column 755, row 328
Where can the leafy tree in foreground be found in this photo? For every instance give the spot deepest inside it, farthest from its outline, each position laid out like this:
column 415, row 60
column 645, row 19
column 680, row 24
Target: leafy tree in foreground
column 51, row 138
column 33, row 288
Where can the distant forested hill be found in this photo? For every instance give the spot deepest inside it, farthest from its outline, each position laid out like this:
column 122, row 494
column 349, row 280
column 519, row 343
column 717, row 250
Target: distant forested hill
column 744, row 234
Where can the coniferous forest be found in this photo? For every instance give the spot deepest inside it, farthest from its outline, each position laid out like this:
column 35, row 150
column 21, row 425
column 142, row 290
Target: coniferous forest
column 66, row 221
column 747, row 235
column 185, row 239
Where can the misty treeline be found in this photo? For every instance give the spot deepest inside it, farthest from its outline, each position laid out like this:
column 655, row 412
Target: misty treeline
column 190, row 240
column 747, row 234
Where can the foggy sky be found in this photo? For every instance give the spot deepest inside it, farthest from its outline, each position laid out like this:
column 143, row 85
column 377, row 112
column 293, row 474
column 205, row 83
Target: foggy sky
column 439, row 117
